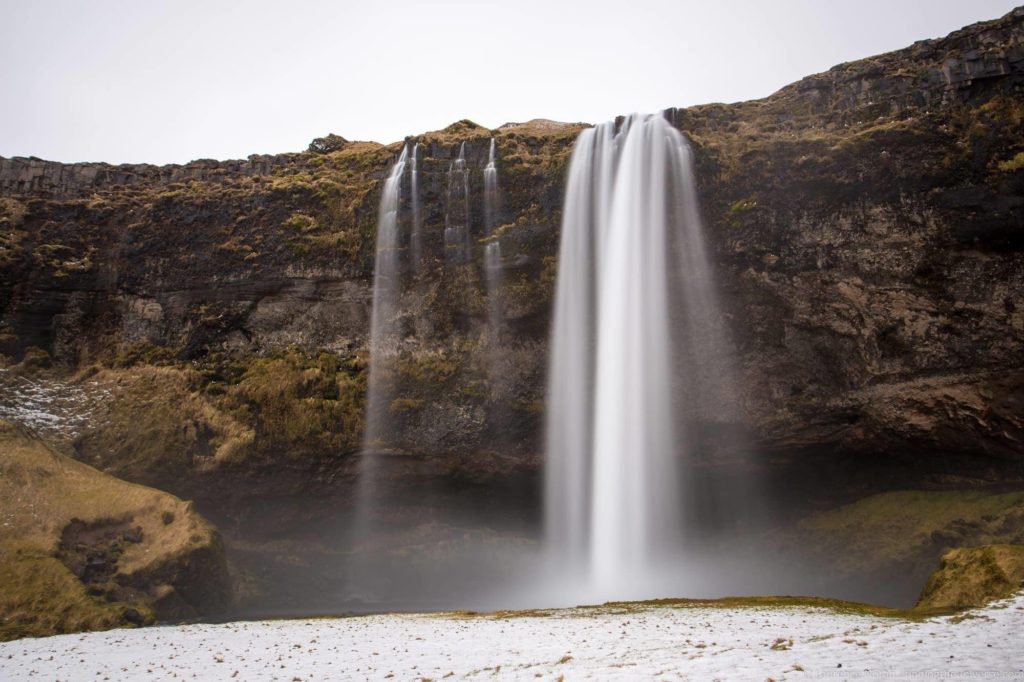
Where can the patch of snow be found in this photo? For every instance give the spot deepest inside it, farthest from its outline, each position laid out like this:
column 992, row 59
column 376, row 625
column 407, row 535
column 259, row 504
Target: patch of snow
column 54, row 408
column 638, row 642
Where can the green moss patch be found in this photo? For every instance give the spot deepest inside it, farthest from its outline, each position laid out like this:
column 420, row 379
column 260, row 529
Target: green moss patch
column 42, row 597
column 156, row 426
column 1014, row 164
column 300, row 405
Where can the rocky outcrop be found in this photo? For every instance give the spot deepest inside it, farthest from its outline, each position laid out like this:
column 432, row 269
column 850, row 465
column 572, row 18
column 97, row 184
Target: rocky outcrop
column 37, row 177
column 973, row 577
column 866, row 225
column 82, row 550
column 929, row 74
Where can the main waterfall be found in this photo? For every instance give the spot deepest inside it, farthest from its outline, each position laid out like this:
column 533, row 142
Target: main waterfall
column 631, row 262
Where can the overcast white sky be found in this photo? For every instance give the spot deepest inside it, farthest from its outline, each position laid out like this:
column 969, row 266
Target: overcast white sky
column 161, row 81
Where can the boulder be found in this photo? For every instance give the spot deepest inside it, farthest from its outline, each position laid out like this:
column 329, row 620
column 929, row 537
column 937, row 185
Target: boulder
column 330, row 143
column 973, row 576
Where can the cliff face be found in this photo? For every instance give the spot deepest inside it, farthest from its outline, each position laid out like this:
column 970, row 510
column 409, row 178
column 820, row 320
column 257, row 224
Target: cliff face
column 869, row 228
column 867, row 225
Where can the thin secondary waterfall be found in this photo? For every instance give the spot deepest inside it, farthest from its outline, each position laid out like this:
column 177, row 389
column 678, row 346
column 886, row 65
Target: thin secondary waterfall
column 491, row 189
column 383, row 345
column 631, row 256
column 416, row 239
column 386, row 288
column 456, row 231
column 492, row 251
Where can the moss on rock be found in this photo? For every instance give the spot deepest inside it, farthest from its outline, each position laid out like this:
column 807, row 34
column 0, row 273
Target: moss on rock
column 911, row 526
column 163, row 426
column 156, row 427
column 973, row 576
column 300, row 405
column 892, row 541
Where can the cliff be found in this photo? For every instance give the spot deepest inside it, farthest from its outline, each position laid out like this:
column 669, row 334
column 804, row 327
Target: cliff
column 867, row 225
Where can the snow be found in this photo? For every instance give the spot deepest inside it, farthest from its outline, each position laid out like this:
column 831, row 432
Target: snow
column 630, row 642
column 55, row 408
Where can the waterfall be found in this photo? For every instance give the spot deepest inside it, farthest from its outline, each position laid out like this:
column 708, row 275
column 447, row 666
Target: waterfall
column 490, row 189
column 416, row 239
column 570, row 377
column 386, row 288
column 456, row 231
column 631, row 264
column 383, row 346
column 495, row 320
column 492, row 255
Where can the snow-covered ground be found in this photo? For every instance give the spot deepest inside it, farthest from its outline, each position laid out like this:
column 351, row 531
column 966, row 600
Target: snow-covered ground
column 638, row 642
column 55, row 408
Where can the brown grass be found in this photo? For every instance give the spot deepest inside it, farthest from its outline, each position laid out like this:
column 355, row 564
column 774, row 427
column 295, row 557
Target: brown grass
column 41, row 492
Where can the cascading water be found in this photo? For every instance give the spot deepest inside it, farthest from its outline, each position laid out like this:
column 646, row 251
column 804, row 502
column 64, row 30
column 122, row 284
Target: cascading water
column 632, row 260
column 456, row 231
column 491, row 189
column 492, row 251
column 386, row 288
column 383, row 344
column 571, row 373
column 416, row 239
